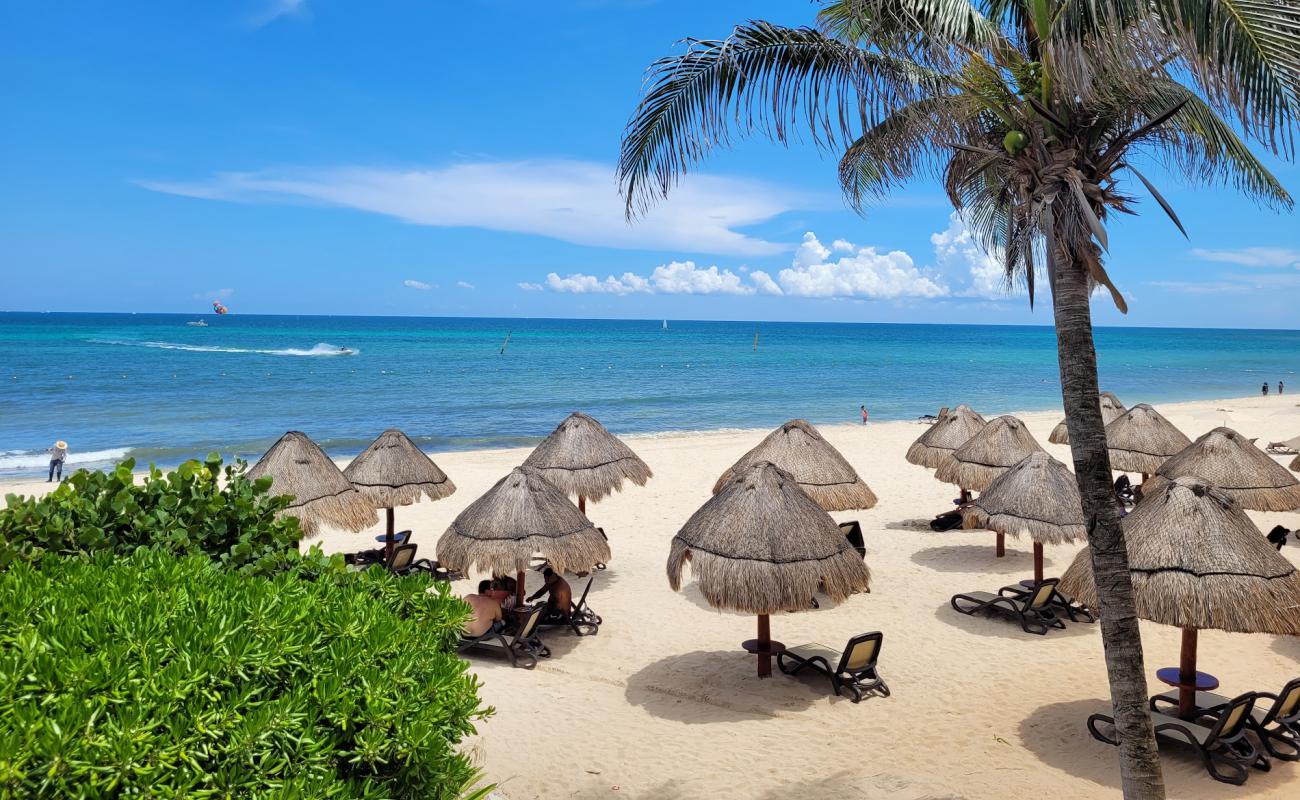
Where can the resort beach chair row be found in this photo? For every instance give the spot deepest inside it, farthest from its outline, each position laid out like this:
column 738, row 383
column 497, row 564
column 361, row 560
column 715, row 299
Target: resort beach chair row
column 1032, row 607
column 1277, row 727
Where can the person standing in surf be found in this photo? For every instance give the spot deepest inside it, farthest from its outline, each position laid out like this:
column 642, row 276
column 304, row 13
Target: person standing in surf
column 58, row 454
column 865, row 415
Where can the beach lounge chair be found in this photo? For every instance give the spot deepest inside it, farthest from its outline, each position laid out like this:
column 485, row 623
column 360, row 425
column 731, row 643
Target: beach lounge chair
column 1277, row 727
column 523, row 647
column 404, row 562
column 1221, row 743
column 580, row 619
column 1060, row 602
column 853, row 532
column 1032, row 606
column 852, row 671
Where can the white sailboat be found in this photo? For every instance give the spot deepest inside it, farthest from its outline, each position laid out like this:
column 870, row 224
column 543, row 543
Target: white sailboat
column 665, row 325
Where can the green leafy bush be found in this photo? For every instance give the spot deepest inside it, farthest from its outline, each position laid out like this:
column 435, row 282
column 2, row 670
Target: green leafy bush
column 162, row 677
column 193, row 509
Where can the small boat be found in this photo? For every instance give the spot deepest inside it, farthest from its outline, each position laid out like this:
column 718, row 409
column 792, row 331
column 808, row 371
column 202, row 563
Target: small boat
column 665, row 325
column 198, row 323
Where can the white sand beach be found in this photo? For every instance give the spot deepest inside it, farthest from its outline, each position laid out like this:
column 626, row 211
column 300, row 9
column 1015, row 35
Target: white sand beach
column 663, row 703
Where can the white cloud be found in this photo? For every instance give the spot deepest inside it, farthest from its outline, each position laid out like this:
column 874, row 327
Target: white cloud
column 220, row 294
column 530, row 287
column 574, row 201
column 765, row 283
column 464, row 285
column 275, row 9
column 677, row 277
column 861, row 272
column 1252, row 256
column 413, row 284
column 959, row 257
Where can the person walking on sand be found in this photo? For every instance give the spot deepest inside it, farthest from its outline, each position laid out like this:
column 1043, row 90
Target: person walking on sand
column 865, row 415
column 58, row 454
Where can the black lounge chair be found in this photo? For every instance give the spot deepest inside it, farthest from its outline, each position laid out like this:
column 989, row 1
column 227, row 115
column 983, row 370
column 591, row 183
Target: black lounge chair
column 853, row 532
column 1060, row 602
column 523, row 647
column 404, row 562
column 1032, row 606
column 854, row 671
column 1221, row 744
column 580, row 619
column 1277, row 727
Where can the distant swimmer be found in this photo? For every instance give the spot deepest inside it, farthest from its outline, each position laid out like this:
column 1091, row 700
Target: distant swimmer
column 58, row 454
column 1264, row 389
column 865, row 415
column 1280, row 386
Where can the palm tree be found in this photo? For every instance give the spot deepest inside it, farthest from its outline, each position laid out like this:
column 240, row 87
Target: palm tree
column 1031, row 112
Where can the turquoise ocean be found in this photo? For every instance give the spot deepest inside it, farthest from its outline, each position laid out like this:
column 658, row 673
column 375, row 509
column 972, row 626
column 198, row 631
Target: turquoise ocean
column 155, row 388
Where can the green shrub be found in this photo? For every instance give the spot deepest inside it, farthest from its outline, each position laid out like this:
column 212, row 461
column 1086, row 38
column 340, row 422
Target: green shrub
column 162, row 677
column 189, row 510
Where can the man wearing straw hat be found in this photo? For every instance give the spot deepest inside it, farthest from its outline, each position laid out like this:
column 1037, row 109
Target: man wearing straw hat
column 58, row 454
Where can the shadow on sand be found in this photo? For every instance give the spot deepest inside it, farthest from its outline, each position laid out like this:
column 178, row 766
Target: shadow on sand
column 979, row 558
column 1058, row 736
column 704, row 687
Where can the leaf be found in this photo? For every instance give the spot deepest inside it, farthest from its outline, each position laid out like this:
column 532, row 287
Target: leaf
column 1159, row 199
column 1085, row 207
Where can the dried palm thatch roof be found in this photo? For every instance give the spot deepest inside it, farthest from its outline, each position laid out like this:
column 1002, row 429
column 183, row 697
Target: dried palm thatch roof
column 1141, row 439
column 951, row 430
column 392, row 471
column 762, row 545
column 584, row 459
column 322, row 496
column 1038, row 496
column 1198, row 561
column 798, row 448
column 1111, row 410
column 998, row 446
column 1295, row 464
column 1234, row 464
column 521, row 516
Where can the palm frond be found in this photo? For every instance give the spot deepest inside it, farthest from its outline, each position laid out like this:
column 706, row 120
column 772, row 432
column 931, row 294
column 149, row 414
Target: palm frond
column 910, row 140
column 1245, row 54
column 764, row 77
column 908, row 25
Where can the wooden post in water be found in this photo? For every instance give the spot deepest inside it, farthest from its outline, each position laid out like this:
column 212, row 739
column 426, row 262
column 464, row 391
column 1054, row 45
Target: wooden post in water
column 756, row 350
column 505, row 343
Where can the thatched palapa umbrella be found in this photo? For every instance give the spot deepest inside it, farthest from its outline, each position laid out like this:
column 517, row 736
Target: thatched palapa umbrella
column 999, row 445
column 391, row 472
column 1141, row 439
column 322, row 496
column 760, row 546
column 521, row 516
column 584, row 459
column 1197, row 561
column 1234, row 464
column 950, row 431
column 1038, row 497
column 1295, row 464
column 1111, row 410
column 820, row 470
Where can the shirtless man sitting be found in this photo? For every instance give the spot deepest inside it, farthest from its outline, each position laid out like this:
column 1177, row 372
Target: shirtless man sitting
column 487, row 611
column 560, row 595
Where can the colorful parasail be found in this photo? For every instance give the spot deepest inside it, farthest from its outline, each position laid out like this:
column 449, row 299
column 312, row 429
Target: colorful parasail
column 220, row 309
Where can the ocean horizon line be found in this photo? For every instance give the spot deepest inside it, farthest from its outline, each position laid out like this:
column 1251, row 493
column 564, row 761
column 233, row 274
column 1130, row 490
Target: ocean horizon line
column 690, row 320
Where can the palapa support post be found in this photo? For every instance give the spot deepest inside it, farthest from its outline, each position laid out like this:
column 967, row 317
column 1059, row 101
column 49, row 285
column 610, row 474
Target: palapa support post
column 763, row 646
column 582, row 503
column 965, row 495
column 1002, row 545
column 1187, row 675
column 388, row 535
column 520, row 594
column 1038, row 562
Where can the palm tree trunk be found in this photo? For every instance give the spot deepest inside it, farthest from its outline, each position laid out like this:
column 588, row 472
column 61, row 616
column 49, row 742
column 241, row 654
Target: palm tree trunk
column 1139, row 759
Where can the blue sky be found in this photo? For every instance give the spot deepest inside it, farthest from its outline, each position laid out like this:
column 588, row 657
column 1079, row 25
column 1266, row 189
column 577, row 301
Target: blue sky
column 323, row 156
